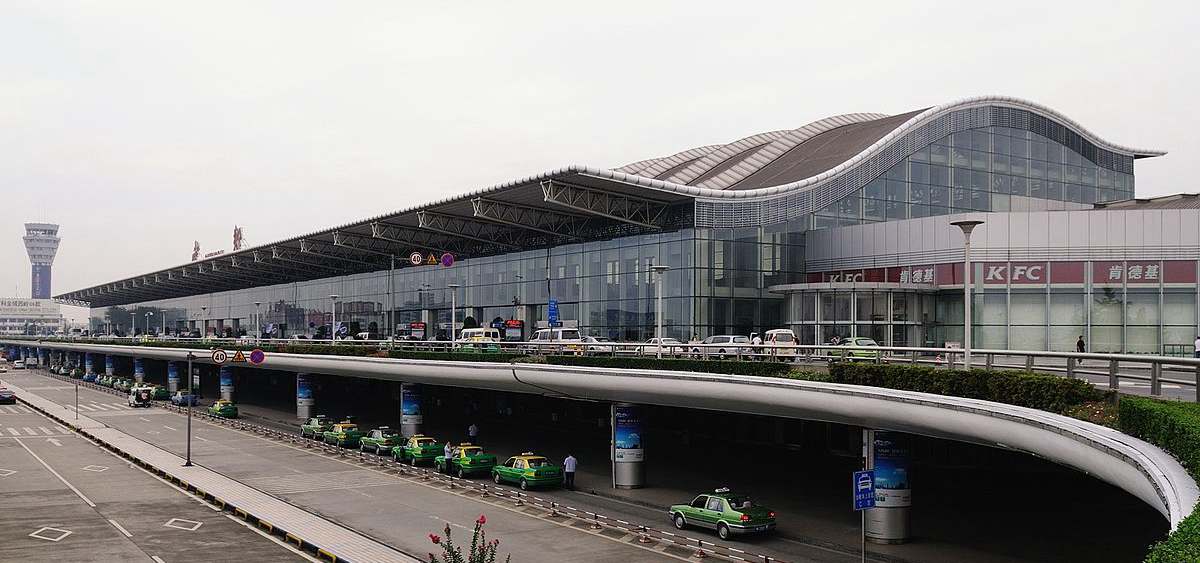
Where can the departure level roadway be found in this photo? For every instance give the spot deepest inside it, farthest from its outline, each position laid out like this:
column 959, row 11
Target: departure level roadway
column 394, row 511
column 64, row 498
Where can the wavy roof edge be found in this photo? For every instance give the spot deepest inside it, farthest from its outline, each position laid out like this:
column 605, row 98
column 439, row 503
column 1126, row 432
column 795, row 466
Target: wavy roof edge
column 704, row 193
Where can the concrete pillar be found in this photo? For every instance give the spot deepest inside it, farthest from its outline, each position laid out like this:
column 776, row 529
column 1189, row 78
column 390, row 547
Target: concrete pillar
column 43, row 358
column 173, row 376
column 110, row 365
column 888, row 455
column 226, row 374
column 304, row 396
column 139, row 370
column 410, row 409
column 89, row 367
column 628, row 451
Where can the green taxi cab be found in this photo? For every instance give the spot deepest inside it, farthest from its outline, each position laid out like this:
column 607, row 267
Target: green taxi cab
column 344, row 434
column 465, row 459
column 379, row 440
column 223, row 409
column 77, row 373
column 417, row 449
column 122, row 384
column 725, row 512
column 159, row 393
column 856, row 353
column 105, row 380
column 528, row 470
column 315, row 427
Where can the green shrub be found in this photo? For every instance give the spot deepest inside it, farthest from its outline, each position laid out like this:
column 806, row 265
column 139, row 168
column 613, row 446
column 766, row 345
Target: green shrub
column 1175, row 427
column 1039, row 391
column 767, row 369
column 454, row 356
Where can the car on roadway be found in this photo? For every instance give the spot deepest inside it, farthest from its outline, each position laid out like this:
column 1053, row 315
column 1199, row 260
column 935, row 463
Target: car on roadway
column 670, row 347
column 106, row 380
column 3, row 369
column 556, row 341
column 853, row 354
column 89, row 377
column 528, row 470
column 7, row 396
column 183, row 399
column 465, row 459
column 782, row 342
column 417, row 449
column 140, row 397
column 600, row 346
column 379, row 440
column 123, row 385
column 77, row 373
column 344, row 434
column 725, row 512
column 485, row 339
column 722, row 346
column 315, row 427
column 159, row 393
column 18, row 364
column 224, row 409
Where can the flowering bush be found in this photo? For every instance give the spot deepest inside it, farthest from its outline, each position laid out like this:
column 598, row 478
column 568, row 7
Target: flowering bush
column 481, row 551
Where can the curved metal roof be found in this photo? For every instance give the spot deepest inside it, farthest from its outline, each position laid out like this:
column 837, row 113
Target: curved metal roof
column 581, row 202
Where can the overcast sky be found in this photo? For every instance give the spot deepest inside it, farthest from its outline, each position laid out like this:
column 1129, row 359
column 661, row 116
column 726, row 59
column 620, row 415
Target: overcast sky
column 142, row 126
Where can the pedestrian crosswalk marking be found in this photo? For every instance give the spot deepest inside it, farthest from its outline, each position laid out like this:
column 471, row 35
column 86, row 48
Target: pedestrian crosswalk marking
column 14, row 432
column 46, row 430
column 29, row 431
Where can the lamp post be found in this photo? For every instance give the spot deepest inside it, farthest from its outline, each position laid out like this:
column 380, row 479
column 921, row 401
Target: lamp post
column 190, row 397
column 333, row 322
column 967, row 227
column 164, row 323
column 659, row 272
column 148, row 315
column 203, row 322
column 257, row 322
column 453, row 310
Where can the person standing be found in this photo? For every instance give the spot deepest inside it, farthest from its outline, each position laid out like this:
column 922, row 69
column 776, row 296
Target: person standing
column 1080, row 347
column 569, row 471
column 1197, row 352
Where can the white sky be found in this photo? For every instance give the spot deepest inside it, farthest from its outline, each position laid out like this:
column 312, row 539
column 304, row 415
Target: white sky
column 142, row 126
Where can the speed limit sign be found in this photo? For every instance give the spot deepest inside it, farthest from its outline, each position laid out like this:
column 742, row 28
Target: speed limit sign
column 415, row 259
column 219, row 356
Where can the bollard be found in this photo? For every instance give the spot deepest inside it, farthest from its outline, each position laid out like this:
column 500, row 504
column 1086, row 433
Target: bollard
column 700, row 550
column 1114, row 381
column 596, row 522
column 643, row 536
column 914, row 358
column 554, row 509
column 1071, row 366
column 520, row 501
column 1155, row 374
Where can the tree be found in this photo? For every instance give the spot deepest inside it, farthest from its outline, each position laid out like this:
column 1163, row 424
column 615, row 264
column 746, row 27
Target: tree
column 470, row 322
column 481, row 550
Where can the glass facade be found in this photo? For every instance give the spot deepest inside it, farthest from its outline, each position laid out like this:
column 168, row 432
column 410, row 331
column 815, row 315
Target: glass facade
column 988, row 169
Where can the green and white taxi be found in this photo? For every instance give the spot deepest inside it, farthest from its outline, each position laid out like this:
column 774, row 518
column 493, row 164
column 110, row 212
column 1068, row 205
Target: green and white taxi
column 465, row 459
column 380, row 440
column 528, row 470
column 725, row 512
column 417, row 449
column 344, row 434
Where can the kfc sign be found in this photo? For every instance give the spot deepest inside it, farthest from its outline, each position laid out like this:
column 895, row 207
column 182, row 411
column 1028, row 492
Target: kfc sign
column 918, row 274
column 1015, row 273
column 846, row 277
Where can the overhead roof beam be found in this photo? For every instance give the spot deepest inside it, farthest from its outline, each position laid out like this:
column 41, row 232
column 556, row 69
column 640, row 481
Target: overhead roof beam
column 455, row 226
column 414, row 238
column 360, row 244
column 642, row 212
column 285, row 255
column 529, row 218
column 321, row 250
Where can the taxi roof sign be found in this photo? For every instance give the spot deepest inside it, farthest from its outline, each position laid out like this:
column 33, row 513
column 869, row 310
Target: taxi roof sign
column 722, row 490
column 528, row 453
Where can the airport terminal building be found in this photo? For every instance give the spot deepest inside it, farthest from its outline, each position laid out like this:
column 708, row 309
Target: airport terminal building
column 839, row 227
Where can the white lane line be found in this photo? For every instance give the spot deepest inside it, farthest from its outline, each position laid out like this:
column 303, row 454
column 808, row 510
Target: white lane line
column 12, row 410
column 143, row 419
column 60, row 477
column 202, row 439
column 14, row 432
column 46, row 431
column 63, row 430
column 119, row 527
column 86, row 408
column 99, row 407
column 29, row 431
column 24, row 410
column 169, row 428
column 282, row 543
column 157, row 558
column 119, row 406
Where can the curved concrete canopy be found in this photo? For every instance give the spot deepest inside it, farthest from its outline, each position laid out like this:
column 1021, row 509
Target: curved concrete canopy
column 1133, row 465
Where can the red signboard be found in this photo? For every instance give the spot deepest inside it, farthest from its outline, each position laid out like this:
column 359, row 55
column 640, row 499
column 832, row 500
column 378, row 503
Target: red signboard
column 1179, row 271
column 1016, row 273
column 1132, row 272
column 1067, row 272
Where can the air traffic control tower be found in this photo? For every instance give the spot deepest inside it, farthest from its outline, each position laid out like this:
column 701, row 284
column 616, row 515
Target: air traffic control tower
column 41, row 242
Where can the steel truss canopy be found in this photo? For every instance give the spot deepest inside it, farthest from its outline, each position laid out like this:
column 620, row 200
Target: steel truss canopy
column 759, row 179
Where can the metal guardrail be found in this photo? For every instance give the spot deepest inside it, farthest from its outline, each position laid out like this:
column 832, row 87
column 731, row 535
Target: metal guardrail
column 1154, row 369
column 700, row 547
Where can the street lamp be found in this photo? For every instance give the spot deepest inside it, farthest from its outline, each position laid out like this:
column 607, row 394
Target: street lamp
column 191, row 395
column 967, row 227
column 257, row 322
column 204, row 321
column 453, row 309
column 148, row 315
column 333, row 323
column 659, row 272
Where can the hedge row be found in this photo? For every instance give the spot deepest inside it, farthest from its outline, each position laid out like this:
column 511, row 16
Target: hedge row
column 454, row 356
column 1175, row 427
column 1039, row 391
column 767, row 369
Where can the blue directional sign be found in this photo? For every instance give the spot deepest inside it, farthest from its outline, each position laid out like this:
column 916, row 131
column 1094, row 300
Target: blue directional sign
column 552, row 312
column 864, row 490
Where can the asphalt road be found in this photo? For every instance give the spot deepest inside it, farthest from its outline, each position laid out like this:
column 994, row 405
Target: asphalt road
column 395, row 511
column 62, row 498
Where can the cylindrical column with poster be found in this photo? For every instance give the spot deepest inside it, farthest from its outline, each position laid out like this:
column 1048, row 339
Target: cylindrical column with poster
column 226, row 375
column 410, row 409
column 172, row 377
column 888, row 522
column 139, row 370
column 110, row 365
column 304, row 396
column 628, row 451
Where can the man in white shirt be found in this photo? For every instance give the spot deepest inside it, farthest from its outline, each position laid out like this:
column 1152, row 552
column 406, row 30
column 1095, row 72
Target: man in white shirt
column 569, row 471
column 1197, row 352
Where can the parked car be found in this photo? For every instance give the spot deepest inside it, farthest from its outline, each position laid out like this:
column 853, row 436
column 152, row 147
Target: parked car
column 223, row 409
column 465, row 459
column 670, row 347
column 853, row 354
column 315, row 427
column 556, row 341
column 419, row 448
column 479, row 340
column 139, row 397
column 600, row 345
column 379, row 440
column 727, row 513
column 344, row 434
column 182, row 399
column 528, row 470
column 19, row 364
column 722, row 346
column 782, row 342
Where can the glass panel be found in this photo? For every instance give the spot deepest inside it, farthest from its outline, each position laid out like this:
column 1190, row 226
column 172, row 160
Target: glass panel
column 1179, row 308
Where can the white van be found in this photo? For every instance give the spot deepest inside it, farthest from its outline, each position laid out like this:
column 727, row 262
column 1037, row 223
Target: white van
column 784, row 343
column 479, row 339
column 550, row 340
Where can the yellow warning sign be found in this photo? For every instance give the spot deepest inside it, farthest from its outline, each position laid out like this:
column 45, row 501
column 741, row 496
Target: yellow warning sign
column 238, row 357
column 431, row 260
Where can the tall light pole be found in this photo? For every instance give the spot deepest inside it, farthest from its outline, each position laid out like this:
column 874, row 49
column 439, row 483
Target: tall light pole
column 659, row 272
column 191, row 395
column 333, row 322
column 967, row 227
column 203, row 322
column 257, row 322
column 453, row 310
column 148, row 315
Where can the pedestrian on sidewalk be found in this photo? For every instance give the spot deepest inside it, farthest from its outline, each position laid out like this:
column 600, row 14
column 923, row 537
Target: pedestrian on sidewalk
column 1197, row 352
column 1080, row 347
column 569, row 471
column 472, row 433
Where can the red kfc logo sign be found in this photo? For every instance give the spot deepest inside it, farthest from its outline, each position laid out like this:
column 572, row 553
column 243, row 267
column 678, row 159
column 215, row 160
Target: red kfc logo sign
column 1016, row 273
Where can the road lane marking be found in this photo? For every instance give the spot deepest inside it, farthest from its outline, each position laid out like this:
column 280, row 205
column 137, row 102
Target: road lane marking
column 202, row 438
column 121, row 528
column 29, row 431
column 55, row 473
column 157, row 558
column 63, row 430
column 284, row 544
column 143, row 419
column 86, row 408
column 62, row 534
column 98, row 407
column 46, row 431
column 171, row 429
column 55, row 442
column 14, row 432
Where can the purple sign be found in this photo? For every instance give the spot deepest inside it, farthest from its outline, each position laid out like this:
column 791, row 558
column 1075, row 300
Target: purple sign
column 447, row 259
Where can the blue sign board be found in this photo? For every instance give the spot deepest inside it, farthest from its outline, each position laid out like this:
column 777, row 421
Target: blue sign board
column 552, row 312
column 864, row 489
column 410, row 404
column 627, row 434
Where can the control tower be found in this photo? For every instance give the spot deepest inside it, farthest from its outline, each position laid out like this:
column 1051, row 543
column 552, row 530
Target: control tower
column 41, row 242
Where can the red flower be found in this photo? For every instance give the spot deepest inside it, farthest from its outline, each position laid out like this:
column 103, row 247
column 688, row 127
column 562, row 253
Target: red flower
column 434, row 538
column 482, row 520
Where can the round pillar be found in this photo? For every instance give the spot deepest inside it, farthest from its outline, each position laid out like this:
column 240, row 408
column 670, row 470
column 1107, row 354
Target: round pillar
column 89, row 366
column 304, row 396
column 410, row 409
column 139, row 370
column 226, row 375
column 888, row 455
column 109, row 365
column 628, row 451
column 173, row 377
